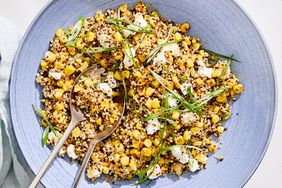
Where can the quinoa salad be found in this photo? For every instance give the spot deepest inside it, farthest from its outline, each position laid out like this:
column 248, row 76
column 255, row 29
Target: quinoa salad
column 177, row 94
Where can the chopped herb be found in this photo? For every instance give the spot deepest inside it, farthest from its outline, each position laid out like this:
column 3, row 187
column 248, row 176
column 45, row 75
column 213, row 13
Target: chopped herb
column 115, row 66
column 45, row 135
column 169, row 148
column 96, row 84
column 208, row 97
column 226, row 116
column 225, row 69
column 75, row 31
column 221, row 55
column 190, row 95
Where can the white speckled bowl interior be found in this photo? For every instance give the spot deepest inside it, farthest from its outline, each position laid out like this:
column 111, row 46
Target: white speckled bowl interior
column 224, row 27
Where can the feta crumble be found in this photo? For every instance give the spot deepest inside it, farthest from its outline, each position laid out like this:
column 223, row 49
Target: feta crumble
column 153, row 126
column 156, row 172
column 203, row 70
column 70, row 151
column 127, row 61
column 140, row 21
column 193, row 165
column 184, row 87
column 55, row 75
column 105, row 88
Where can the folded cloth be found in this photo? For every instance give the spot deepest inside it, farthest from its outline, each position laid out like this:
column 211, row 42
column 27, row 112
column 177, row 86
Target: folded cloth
column 12, row 172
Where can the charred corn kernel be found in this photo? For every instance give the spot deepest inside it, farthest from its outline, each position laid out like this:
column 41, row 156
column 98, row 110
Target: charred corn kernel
column 59, row 106
column 216, row 73
column 69, row 70
column 211, row 82
column 137, row 74
column 43, row 64
column 77, row 88
column 90, row 36
column 59, row 65
column 99, row 121
column 118, row 36
column 177, row 36
column 112, row 120
column 201, row 158
column 134, row 152
column 156, row 142
column 175, row 115
column 176, row 82
column 50, row 56
column 83, row 66
column 179, row 140
column 238, row 88
column 207, row 141
column 88, row 82
column 220, row 129
column 105, row 104
column 60, row 83
column 132, row 165
column 123, row 7
column 149, row 91
column 215, row 119
column 212, row 148
column 197, row 143
column 97, row 55
column 60, row 32
column 146, row 152
column 221, row 98
column 184, row 27
column 148, row 143
column 125, row 73
column 156, row 103
column 103, row 63
column 170, row 85
column 105, row 170
column 116, row 157
column 195, row 130
column 79, row 43
column 177, row 126
column 155, row 83
column 187, row 40
column 148, row 104
column 124, row 161
column 60, row 118
column 76, row 132
column 117, row 76
column 139, row 126
column 196, row 46
column 187, row 135
column 136, row 134
column 58, row 93
column 99, row 16
column 43, row 123
column 142, row 58
column 67, row 85
column 118, row 55
column 177, row 168
column 135, row 144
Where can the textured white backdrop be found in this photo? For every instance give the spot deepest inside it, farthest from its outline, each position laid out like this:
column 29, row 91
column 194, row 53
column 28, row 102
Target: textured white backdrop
column 266, row 14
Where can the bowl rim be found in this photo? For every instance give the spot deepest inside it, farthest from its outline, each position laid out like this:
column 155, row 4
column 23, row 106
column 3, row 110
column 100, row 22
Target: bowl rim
column 50, row 2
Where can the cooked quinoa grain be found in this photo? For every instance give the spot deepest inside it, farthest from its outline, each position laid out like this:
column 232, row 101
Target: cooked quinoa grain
column 177, row 94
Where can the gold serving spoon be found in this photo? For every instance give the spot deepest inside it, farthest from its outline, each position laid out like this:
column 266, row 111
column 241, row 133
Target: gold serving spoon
column 76, row 117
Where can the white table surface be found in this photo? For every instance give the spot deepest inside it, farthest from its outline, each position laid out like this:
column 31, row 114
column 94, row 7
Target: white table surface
column 267, row 14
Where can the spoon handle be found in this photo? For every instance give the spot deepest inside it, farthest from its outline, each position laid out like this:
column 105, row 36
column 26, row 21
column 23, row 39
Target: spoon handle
column 84, row 163
column 56, row 149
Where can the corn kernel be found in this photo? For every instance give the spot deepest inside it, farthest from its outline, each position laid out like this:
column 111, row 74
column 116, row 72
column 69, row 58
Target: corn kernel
column 238, row 88
column 156, row 142
column 50, row 56
column 119, row 148
column 117, row 76
column 212, row 148
column 103, row 63
column 132, row 165
column 88, row 82
column 67, row 85
column 155, row 83
column 43, row 123
column 221, row 98
column 134, row 152
column 177, row 168
column 58, row 93
column 184, row 27
column 97, row 55
column 146, row 152
column 112, row 120
column 207, row 141
column 59, row 65
column 142, row 58
column 99, row 121
column 118, row 36
column 123, row 7
column 170, row 85
column 149, row 91
column 135, row 143
column 216, row 73
column 77, row 88
column 195, row 130
column 79, row 43
column 176, row 82
column 99, row 16
column 60, row 118
column 83, row 66
column 136, row 134
column 105, row 104
column 148, row 143
column 69, row 70
column 220, row 129
column 187, row 135
column 60, row 32
column 197, row 143
column 125, row 73
column 43, row 64
column 201, row 158
column 124, row 161
column 177, row 126
column 116, row 157
column 199, row 82
column 155, row 103
column 179, row 140
column 90, row 36
column 177, row 36
column 105, row 170
column 175, row 115
column 118, row 55
column 76, row 132
column 196, row 46
column 148, row 104
column 59, row 106
column 211, row 82
column 215, row 119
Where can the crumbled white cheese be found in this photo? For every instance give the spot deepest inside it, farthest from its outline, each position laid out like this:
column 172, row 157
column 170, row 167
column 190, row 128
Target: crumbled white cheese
column 94, row 173
column 70, row 151
column 62, row 152
column 153, row 126
column 156, row 172
column 184, row 158
column 184, row 87
column 160, row 58
column 176, row 152
column 127, row 61
column 203, row 70
column 55, row 75
column 173, row 48
column 52, row 138
column 139, row 20
column 105, row 40
column 188, row 117
column 111, row 81
column 106, row 89
column 172, row 102
column 193, row 165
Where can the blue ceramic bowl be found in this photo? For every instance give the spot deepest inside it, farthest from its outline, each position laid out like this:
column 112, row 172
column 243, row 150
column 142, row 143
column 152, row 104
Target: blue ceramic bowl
column 225, row 27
